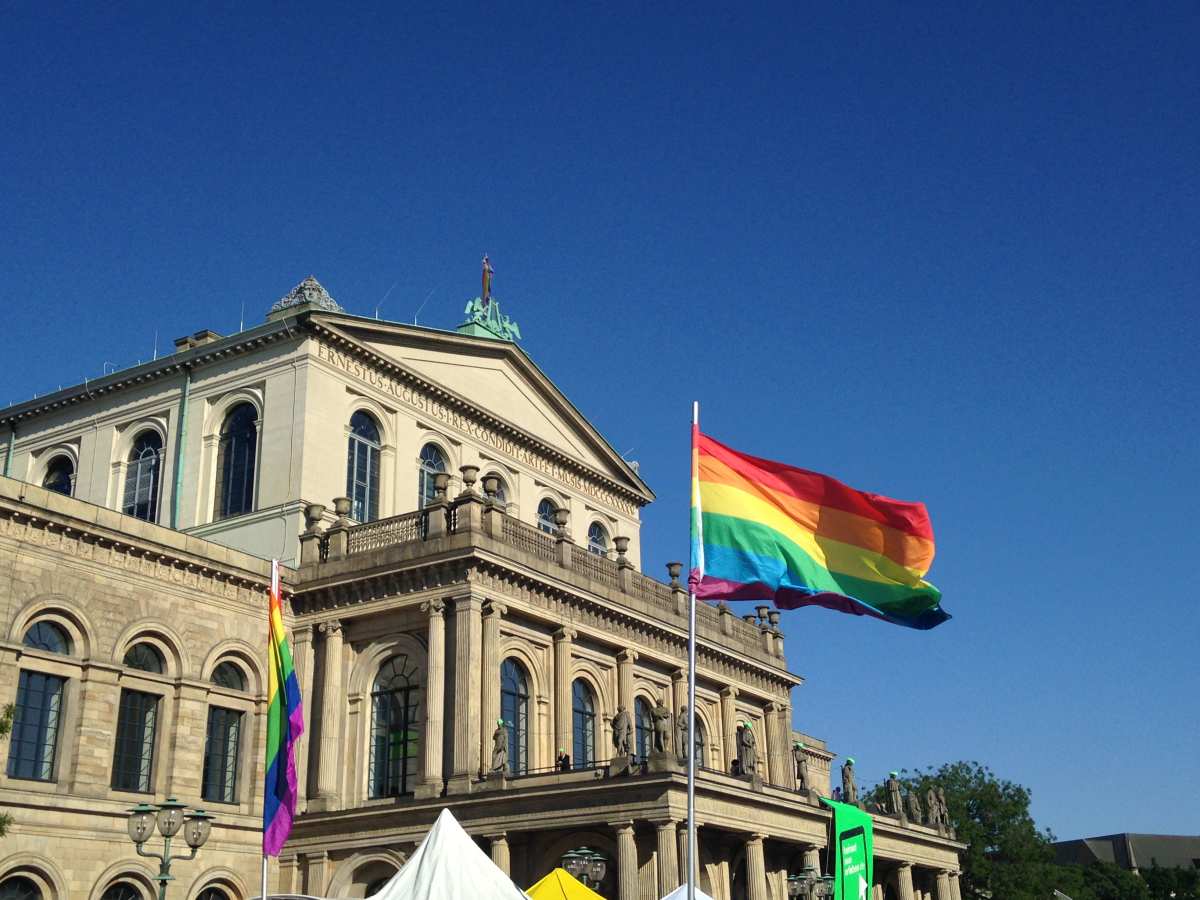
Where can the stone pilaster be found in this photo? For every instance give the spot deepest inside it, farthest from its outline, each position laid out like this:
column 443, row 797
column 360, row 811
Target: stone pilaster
column 756, row 868
column 668, row 853
column 500, row 854
column 625, row 661
column 435, row 702
column 562, row 688
column 493, row 612
column 955, row 887
column 904, row 882
column 627, row 862
column 943, row 891
column 316, row 872
column 468, row 627
column 98, row 708
column 729, row 725
column 332, row 697
column 302, row 655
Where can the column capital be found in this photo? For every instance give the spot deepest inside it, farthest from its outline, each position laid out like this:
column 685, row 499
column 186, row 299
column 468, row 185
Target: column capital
column 664, row 824
column 566, row 633
column 679, row 674
column 434, row 608
column 754, row 837
column 497, row 836
column 496, row 608
column 301, row 634
column 331, row 627
column 729, row 691
column 627, row 655
column 771, row 706
column 905, row 865
column 621, row 825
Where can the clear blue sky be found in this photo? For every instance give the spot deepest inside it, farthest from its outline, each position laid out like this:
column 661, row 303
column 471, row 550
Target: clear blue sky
column 944, row 254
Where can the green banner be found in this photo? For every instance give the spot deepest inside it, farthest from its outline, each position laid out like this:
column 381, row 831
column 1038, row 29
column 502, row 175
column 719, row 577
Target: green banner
column 851, row 850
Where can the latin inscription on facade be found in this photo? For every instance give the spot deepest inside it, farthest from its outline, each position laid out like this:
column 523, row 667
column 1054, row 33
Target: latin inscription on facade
column 423, row 402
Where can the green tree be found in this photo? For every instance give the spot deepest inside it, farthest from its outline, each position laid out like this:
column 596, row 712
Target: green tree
column 5, row 727
column 1172, row 884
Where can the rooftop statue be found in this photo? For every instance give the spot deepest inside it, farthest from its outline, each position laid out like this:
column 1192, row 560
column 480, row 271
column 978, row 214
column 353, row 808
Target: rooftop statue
column 309, row 291
column 484, row 318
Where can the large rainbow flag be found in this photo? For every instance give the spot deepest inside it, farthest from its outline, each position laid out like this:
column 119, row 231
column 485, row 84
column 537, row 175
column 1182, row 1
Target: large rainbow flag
column 763, row 530
column 285, row 723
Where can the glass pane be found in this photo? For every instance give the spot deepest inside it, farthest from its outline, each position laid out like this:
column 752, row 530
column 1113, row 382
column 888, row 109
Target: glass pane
column 514, row 709
column 19, row 888
column 221, row 755
column 134, row 755
column 34, row 736
column 145, row 657
column 49, row 637
column 583, row 730
column 58, row 475
column 644, row 727
column 227, row 675
column 236, row 452
column 545, row 516
column 122, row 891
column 597, row 539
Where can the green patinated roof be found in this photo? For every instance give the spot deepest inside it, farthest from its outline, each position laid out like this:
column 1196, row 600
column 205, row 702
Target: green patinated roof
column 485, row 320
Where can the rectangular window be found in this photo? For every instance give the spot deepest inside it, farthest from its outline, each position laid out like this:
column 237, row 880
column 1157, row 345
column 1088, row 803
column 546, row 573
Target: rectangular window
column 221, row 755
column 133, row 761
column 34, row 736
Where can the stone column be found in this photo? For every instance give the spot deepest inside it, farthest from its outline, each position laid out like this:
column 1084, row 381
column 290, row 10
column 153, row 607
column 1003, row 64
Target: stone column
column 785, row 745
column 332, row 699
column 668, row 854
column 562, row 688
column 683, row 854
column 302, row 654
column 775, row 767
column 729, row 725
column 955, row 888
column 468, row 627
column 877, row 892
column 500, row 854
column 904, row 882
column 627, row 862
column 943, row 891
column 625, row 661
column 493, row 612
column 435, row 701
column 756, row 868
column 812, row 857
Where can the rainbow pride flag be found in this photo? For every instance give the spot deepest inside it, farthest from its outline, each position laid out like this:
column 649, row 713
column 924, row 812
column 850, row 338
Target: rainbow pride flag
column 285, row 723
column 763, row 530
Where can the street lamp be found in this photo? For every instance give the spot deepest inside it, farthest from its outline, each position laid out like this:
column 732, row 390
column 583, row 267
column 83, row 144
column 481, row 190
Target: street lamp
column 586, row 865
column 809, row 883
column 170, row 817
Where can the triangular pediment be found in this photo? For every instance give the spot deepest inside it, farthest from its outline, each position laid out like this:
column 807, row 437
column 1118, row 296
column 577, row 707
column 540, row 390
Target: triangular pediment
column 498, row 378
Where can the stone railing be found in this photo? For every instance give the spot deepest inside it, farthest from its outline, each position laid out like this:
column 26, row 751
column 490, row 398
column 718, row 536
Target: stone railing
column 385, row 532
column 594, row 566
column 531, row 540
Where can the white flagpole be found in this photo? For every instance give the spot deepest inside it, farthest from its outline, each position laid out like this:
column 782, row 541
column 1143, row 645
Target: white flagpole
column 263, row 892
column 691, row 729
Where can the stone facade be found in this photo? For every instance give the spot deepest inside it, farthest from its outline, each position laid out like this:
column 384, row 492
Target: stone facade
column 413, row 632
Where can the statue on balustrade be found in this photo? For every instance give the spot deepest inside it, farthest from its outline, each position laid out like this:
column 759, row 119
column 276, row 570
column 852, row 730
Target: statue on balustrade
column 895, row 807
column 943, row 809
column 800, row 760
column 747, row 750
column 849, row 788
column 681, row 726
column 661, row 717
column 932, row 817
column 500, row 748
column 622, row 725
column 914, row 808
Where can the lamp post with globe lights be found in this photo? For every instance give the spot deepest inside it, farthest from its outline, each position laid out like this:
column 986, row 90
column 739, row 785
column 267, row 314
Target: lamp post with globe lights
column 170, row 817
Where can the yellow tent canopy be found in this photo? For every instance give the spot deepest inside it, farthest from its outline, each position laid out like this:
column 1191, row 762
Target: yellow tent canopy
column 560, row 885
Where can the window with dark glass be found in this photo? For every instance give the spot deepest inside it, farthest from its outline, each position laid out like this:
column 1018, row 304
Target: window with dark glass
column 597, row 539
column 376, row 886
column 133, row 760
column 142, row 477
column 221, row 743
column 583, row 725
column 237, row 449
column 33, row 740
column 228, row 675
column 432, row 462
column 699, row 742
column 394, row 701
column 19, row 887
column 47, row 636
column 644, row 728
column 514, row 709
column 362, row 468
column 545, row 516
column 122, row 891
column 145, row 657
column 213, row 893
column 60, row 476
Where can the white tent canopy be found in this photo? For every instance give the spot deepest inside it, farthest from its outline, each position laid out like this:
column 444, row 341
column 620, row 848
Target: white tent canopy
column 680, row 893
column 449, row 866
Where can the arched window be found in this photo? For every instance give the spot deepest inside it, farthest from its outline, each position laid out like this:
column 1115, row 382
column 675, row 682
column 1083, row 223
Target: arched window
column 213, row 893
column 362, row 468
column 545, row 515
column 19, row 888
column 597, row 539
column 376, row 886
column 122, row 891
column 33, row 742
column 49, row 637
column 432, row 462
column 137, row 728
column 228, row 675
column 60, row 476
column 145, row 657
column 237, row 450
column 142, row 477
column 514, row 709
column 700, row 741
column 394, row 700
column 644, row 726
column 583, row 725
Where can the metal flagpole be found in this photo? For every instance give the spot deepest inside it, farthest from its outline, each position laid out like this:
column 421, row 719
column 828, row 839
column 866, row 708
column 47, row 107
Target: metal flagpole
column 691, row 729
column 263, row 892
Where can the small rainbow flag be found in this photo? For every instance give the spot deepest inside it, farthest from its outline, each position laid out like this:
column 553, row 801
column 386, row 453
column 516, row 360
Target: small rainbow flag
column 763, row 530
column 285, row 723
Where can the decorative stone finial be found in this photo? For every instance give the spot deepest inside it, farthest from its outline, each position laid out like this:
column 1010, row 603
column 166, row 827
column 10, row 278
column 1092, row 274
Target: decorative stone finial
column 307, row 293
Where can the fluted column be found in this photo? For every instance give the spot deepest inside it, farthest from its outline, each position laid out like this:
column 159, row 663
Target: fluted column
column 625, row 661
column 500, row 855
column 729, row 725
column 331, row 716
column 943, row 891
column 627, row 864
column 493, row 612
column 435, row 701
column 904, row 882
column 877, row 892
column 468, row 628
column 668, row 853
column 955, row 887
column 756, row 868
column 812, row 857
column 774, row 763
column 788, row 768
column 562, row 688
column 302, row 654
column 683, row 853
